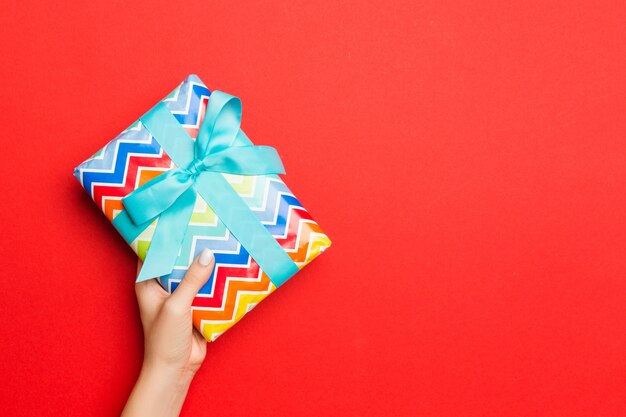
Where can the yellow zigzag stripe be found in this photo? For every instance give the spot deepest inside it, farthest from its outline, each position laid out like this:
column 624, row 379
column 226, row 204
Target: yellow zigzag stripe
column 202, row 213
column 142, row 243
column 317, row 245
column 316, row 242
column 243, row 184
column 246, row 301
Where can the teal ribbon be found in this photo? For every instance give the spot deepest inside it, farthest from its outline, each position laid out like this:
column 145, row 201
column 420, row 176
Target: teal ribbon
column 221, row 147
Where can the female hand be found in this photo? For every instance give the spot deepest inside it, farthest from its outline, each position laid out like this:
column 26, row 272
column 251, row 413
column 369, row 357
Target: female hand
column 174, row 350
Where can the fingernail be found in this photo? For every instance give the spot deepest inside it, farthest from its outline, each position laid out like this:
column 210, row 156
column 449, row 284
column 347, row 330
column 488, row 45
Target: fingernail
column 205, row 258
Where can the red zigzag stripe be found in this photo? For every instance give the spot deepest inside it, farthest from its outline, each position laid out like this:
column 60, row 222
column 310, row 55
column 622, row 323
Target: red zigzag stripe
column 132, row 167
column 225, row 273
column 297, row 214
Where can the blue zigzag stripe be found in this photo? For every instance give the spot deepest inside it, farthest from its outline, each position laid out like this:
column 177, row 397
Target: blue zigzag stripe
column 286, row 202
column 117, row 176
column 103, row 159
column 192, row 85
column 272, row 189
column 240, row 258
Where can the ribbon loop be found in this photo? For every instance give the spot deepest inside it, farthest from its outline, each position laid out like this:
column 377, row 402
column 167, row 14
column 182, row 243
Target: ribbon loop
column 221, row 124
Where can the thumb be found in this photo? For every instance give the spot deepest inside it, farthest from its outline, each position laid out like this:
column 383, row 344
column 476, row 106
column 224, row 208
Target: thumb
column 197, row 275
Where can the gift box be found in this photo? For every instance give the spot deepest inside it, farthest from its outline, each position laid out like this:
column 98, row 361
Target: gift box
column 185, row 177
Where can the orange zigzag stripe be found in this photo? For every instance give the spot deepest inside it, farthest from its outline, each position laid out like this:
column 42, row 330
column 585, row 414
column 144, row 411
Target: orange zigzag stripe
column 234, row 287
column 307, row 228
column 112, row 204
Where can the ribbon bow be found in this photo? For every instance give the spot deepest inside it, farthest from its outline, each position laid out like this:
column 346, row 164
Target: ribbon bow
column 220, row 147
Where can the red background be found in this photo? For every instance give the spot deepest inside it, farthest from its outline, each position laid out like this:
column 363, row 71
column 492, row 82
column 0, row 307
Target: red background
column 466, row 158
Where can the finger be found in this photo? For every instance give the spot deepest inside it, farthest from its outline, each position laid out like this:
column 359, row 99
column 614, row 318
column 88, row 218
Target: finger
column 197, row 275
column 198, row 336
column 150, row 290
column 150, row 297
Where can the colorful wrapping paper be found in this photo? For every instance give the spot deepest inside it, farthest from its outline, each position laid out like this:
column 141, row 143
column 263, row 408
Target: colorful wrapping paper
column 237, row 283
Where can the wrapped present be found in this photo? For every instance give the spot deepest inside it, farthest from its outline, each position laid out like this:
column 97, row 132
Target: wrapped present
column 185, row 177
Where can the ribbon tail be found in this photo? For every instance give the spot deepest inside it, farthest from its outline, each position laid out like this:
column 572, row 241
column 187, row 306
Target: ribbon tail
column 154, row 197
column 246, row 227
column 221, row 124
column 168, row 237
column 129, row 230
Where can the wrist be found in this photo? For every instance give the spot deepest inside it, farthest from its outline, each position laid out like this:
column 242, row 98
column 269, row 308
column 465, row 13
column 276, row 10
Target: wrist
column 173, row 376
column 160, row 391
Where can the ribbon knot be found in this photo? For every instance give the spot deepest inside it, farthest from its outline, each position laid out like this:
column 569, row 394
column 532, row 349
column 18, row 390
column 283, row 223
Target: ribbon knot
column 196, row 167
column 170, row 197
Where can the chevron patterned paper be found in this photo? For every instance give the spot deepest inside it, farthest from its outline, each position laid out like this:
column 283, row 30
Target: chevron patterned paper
column 237, row 283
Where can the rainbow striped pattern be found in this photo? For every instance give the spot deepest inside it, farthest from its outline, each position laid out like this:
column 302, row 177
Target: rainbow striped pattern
column 237, row 284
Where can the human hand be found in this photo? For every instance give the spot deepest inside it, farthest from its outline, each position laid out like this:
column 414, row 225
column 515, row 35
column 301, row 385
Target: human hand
column 173, row 349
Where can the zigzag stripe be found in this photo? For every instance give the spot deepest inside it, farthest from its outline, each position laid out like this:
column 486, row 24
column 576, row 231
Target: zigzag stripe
column 275, row 192
column 217, row 238
column 111, row 206
column 304, row 239
column 112, row 203
column 274, row 188
column 128, row 155
column 283, row 209
column 247, row 301
column 244, row 185
column 318, row 243
column 103, row 159
column 110, row 164
column 288, row 240
column 262, row 193
column 310, row 241
column 261, row 286
column 203, row 215
column 244, row 303
column 228, row 276
column 189, row 97
column 274, row 209
column 234, row 264
column 192, row 131
column 130, row 180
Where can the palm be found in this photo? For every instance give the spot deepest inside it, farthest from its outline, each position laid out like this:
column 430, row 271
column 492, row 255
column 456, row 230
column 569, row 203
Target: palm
column 167, row 324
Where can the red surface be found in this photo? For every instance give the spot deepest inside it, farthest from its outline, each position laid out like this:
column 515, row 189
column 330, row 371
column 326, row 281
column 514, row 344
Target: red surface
column 466, row 158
